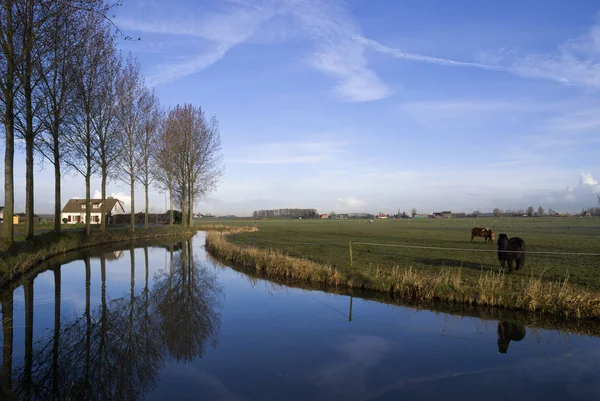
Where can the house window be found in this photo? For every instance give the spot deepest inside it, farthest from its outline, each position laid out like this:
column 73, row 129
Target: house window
column 83, row 206
column 97, row 205
column 69, row 218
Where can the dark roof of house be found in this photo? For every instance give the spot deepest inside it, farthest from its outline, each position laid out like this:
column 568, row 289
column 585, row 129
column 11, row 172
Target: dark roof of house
column 74, row 205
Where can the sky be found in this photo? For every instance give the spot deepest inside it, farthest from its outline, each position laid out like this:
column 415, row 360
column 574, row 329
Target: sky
column 376, row 106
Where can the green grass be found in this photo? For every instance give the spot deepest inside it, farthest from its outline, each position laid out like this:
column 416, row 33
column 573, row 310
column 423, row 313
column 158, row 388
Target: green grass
column 326, row 242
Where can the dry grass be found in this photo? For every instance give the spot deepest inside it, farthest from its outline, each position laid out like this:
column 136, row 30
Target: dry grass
column 531, row 294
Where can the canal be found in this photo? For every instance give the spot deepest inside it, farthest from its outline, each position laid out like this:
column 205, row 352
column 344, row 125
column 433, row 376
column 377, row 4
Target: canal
column 166, row 321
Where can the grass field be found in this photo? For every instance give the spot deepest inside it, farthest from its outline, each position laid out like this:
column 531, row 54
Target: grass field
column 327, row 242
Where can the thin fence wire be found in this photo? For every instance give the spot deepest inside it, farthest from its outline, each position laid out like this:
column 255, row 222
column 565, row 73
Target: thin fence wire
column 259, row 240
column 476, row 250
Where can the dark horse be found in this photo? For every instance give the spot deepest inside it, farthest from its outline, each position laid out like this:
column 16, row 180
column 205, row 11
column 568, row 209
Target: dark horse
column 516, row 248
column 508, row 332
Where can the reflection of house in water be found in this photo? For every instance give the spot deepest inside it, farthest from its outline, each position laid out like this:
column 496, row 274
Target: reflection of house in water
column 507, row 332
column 115, row 255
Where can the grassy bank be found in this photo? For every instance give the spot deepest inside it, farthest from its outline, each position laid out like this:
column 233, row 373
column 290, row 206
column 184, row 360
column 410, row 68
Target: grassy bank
column 530, row 293
column 24, row 256
column 588, row 327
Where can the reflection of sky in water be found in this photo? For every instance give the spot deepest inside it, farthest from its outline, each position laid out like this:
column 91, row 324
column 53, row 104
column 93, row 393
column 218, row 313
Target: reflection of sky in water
column 283, row 343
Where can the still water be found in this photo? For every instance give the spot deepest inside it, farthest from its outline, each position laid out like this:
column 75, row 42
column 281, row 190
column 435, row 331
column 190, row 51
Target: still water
column 169, row 323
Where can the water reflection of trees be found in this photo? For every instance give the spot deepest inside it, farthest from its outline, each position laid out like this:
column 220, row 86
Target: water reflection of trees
column 117, row 350
column 185, row 298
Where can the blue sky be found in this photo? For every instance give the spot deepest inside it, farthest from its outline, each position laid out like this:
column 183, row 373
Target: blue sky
column 379, row 105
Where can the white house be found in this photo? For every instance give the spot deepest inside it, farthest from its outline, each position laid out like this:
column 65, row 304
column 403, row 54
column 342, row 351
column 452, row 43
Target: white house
column 74, row 210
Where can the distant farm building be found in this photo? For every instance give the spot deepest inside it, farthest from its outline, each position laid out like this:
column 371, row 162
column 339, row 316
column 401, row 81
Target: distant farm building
column 324, row 216
column 20, row 218
column 15, row 217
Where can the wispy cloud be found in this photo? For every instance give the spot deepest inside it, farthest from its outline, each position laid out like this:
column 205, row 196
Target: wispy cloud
column 291, row 153
column 220, row 31
column 340, row 45
column 575, row 61
column 338, row 53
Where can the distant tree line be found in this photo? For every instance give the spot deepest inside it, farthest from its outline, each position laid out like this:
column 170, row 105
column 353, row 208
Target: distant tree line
column 285, row 213
column 78, row 104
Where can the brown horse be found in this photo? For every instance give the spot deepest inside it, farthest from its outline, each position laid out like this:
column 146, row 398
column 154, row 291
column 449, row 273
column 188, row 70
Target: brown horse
column 485, row 233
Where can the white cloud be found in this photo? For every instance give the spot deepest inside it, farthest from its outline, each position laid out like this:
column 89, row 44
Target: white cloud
column 126, row 199
column 588, row 179
column 573, row 198
column 349, row 204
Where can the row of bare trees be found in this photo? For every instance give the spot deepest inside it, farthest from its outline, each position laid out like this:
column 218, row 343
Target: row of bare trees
column 80, row 105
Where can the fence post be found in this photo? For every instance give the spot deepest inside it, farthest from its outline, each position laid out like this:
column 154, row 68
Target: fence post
column 350, row 246
column 350, row 315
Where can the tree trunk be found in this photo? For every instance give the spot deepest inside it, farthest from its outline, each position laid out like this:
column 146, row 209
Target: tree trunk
column 88, row 215
column 102, row 214
column 9, row 128
column 29, row 233
column 57, row 197
column 9, row 189
column 132, row 223
column 190, row 204
column 147, row 205
column 171, row 203
column 183, row 205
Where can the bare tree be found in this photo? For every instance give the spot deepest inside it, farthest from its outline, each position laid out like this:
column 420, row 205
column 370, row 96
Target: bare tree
column 164, row 158
column 197, row 143
column 413, row 212
column 57, row 91
column 32, row 16
column 497, row 212
column 83, row 141
column 476, row 213
column 530, row 211
column 206, row 161
column 109, row 149
column 9, row 59
column 541, row 211
column 147, row 143
column 129, row 118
